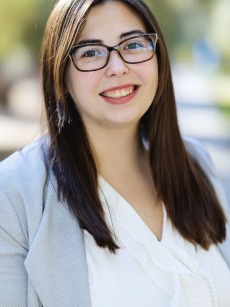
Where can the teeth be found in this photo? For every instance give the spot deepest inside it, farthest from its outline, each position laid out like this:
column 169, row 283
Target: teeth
column 119, row 93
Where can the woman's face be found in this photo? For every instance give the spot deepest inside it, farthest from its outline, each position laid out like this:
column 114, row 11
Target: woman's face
column 120, row 93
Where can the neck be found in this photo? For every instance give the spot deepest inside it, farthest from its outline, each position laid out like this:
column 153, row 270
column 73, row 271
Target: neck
column 116, row 149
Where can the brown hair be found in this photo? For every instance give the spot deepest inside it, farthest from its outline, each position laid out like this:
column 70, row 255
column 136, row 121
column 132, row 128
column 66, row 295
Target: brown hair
column 181, row 183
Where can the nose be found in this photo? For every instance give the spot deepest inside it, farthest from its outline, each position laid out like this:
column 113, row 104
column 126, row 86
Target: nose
column 116, row 66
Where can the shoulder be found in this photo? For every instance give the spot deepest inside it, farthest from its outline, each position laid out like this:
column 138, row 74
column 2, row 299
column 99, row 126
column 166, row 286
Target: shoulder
column 24, row 162
column 198, row 151
column 25, row 169
column 23, row 178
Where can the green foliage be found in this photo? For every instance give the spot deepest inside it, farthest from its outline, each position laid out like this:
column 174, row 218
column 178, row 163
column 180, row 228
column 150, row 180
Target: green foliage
column 182, row 23
column 22, row 22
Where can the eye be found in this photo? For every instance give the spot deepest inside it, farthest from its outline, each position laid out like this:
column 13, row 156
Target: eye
column 134, row 46
column 91, row 53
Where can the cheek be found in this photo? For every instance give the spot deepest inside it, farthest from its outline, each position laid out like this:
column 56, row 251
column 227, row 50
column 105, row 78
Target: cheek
column 153, row 78
column 83, row 88
column 75, row 85
column 148, row 72
column 149, row 75
column 83, row 84
column 153, row 71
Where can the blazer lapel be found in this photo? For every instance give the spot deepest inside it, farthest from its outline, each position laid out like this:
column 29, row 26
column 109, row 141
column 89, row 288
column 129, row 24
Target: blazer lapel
column 56, row 262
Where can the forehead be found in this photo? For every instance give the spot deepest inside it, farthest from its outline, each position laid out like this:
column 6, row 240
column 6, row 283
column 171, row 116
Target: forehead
column 109, row 20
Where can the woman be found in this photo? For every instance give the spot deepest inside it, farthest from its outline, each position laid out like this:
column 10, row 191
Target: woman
column 112, row 207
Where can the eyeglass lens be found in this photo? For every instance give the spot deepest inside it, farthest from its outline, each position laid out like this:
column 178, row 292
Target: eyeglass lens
column 134, row 50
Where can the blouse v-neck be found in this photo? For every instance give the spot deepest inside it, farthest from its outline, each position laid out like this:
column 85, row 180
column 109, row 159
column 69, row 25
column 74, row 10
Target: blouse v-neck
column 169, row 267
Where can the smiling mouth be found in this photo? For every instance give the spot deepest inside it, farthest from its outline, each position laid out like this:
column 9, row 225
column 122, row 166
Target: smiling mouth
column 119, row 93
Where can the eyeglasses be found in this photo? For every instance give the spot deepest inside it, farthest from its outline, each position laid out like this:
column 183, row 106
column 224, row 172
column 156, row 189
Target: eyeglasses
column 136, row 49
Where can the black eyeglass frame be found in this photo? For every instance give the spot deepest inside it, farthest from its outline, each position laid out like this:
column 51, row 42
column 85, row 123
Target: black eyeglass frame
column 152, row 36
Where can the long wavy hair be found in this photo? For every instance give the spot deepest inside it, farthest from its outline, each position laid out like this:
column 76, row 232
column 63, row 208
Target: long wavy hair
column 181, row 183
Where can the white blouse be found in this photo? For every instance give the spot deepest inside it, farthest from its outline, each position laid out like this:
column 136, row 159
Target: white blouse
column 150, row 273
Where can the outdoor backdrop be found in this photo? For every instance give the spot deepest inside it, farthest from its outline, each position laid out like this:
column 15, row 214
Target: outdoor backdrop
column 197, row 36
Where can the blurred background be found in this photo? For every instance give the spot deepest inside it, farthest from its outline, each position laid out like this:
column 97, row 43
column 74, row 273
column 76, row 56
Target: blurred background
column 197, row 36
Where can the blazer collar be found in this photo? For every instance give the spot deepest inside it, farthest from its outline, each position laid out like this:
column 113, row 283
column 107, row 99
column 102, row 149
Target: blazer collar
column 56, row 261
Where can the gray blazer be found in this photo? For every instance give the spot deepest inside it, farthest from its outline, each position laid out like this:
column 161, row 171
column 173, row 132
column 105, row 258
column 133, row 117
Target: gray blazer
column 42, row 254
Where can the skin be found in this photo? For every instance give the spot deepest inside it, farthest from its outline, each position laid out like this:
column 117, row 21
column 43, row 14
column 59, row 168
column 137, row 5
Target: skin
column 107, row 22
column 113, row 128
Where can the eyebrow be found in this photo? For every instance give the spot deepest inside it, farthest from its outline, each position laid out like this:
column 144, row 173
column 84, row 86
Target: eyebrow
column 99, row 41
column 124, row 35
column 90, row 41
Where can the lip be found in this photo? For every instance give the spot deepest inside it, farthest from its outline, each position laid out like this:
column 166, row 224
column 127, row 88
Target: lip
column 120, row 100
